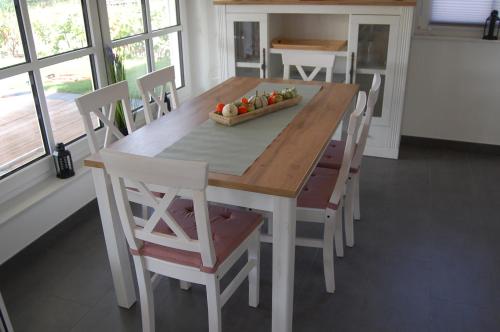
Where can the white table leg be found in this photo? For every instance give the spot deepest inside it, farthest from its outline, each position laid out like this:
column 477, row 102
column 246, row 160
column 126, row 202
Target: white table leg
column 5, row 323
column 284, row 225
column 116, row 245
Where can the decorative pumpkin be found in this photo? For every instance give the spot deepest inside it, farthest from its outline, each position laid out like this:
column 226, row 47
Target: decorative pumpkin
column 263, row 100
column 230, row 110
column 256, row 101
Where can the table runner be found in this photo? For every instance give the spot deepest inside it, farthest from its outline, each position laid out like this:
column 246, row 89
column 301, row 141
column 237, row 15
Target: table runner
column 232, row 150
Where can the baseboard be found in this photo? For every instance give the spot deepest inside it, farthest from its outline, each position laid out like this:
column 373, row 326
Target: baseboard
column 452, row 145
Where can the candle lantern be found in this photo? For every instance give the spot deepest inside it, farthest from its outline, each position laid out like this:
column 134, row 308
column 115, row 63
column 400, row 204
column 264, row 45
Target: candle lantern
column 492, row 26
column 63, row 162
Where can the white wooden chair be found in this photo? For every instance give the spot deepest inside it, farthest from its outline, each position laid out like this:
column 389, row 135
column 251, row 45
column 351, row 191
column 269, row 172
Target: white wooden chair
column 154, row 86
column 102, row 103
column 183, row 239
column 316, row 59
column 322, row 198
column 333, row 156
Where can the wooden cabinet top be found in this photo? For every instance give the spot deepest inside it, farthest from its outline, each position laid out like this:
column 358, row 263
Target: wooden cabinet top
column 319, row 2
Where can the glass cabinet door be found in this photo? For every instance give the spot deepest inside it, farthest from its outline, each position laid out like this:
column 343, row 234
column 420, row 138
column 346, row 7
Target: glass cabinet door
column 373, row 42
column 247, row 44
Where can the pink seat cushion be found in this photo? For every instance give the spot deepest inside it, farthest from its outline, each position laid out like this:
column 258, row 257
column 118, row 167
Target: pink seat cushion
column 229, row 229
column 318, row 190
column 334, row 153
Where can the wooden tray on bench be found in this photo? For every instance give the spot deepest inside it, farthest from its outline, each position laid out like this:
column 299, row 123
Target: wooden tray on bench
column 231, row 121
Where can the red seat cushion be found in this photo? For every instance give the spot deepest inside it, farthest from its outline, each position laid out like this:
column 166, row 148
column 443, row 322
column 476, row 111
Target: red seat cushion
column 318, row 190
column 229, row 229
column 334, row 153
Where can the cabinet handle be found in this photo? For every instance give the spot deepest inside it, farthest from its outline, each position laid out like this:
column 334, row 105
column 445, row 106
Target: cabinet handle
column 351, row 70
column 263, row 66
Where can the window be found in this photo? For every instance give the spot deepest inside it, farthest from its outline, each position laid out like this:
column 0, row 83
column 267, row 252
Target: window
column 144, row 36
column 462, row 11
column 52, row 51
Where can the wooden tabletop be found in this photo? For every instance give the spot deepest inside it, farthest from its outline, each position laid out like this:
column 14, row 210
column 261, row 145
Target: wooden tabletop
column 319, row 2
column 283, row 167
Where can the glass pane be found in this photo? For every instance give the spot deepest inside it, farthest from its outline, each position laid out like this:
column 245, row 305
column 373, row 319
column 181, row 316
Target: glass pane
column 11, row 46
column 125, row 18
column 247, row 41
column 373, row 44
column 248, row 72
column 58, row 26
column 163, row 13
column 167, row 53
column 133, row 57
column 63, row 83
column 365, row 83
column 19, row 128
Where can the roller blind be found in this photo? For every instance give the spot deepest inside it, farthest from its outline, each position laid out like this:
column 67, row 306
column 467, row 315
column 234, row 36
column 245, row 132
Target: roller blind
column 462, row 11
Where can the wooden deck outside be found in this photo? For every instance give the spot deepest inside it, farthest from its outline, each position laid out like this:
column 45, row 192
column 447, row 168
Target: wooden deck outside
column 20, row 133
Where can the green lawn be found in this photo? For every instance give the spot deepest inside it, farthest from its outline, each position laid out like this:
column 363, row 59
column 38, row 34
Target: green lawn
column 132, row 72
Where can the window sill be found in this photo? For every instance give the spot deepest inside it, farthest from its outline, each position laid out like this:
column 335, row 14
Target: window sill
column 441, row 37
column 16, row 205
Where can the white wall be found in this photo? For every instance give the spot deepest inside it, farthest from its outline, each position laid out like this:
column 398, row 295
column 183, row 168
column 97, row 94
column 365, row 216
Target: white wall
column 453, row 90
column 202, row 42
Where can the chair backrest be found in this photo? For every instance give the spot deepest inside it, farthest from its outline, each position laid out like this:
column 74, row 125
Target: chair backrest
column 367, row 119
column 166, row 177
column 102, row 103
column 161, row 81
column 318, row 60
column 350, row 146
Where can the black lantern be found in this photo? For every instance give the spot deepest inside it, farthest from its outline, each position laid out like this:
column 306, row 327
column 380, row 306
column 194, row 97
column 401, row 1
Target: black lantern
column 492, row 23
column 63, row 162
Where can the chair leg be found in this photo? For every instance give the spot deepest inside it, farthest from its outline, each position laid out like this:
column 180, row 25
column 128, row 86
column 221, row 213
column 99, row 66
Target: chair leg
column 357, row 211
column 348, row 214
column 254, row 275
column 185, row 285
column 145, row 294
column 328, row 256
column 339, row 233
column 213, row 303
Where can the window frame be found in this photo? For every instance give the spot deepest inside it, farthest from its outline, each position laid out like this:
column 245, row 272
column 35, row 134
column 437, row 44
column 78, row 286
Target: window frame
column 37, row 170
column 426, row 28
column 147, row 36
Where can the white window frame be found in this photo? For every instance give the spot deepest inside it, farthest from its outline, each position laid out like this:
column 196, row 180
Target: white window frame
column 147, row 37
column 425, row 28
column 38, row 171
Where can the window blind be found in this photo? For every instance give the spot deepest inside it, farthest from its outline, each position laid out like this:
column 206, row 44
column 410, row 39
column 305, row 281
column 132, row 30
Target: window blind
column 462, row 11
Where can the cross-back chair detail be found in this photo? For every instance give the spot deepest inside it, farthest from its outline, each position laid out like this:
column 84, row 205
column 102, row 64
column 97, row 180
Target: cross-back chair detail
column 142, row 229
column 318, row 60
column 164, row 81
column 102, row 103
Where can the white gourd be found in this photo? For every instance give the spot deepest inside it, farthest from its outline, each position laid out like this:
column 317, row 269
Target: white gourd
column 229, row 110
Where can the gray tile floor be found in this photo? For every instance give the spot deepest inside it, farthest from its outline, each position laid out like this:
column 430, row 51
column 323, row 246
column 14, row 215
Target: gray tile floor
column 427, row 258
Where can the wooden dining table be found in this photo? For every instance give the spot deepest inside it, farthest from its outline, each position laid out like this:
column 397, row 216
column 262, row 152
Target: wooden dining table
column 272, row 183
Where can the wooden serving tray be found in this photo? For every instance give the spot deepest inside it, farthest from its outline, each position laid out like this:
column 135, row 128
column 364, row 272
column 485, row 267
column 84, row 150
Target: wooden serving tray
column 309, row 44
column 231, row 121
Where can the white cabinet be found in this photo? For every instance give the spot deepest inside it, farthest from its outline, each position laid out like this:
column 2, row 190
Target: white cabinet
column 373, row 42
column 378, row 41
